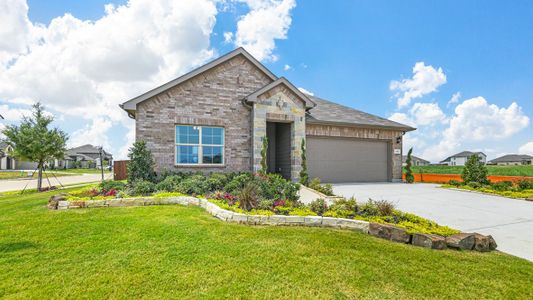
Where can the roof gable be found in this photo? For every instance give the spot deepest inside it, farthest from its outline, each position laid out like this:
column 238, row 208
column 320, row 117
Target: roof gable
column 131, row 105
column 281, row 81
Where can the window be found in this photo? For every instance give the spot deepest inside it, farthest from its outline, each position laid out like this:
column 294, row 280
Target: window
column 197, row 145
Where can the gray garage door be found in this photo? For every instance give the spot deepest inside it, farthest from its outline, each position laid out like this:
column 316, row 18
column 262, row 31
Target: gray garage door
column 347, row 160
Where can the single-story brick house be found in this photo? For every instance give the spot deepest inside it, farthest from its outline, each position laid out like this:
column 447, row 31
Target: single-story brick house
column 215, row 117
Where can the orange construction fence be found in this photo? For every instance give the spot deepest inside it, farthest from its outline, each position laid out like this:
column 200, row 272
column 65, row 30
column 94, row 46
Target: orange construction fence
column 444, row 178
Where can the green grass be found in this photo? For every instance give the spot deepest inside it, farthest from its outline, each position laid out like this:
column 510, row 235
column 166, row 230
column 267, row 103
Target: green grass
column 524, row 194
column 84, row 171
column 493, row 170
column 163, row 252
column 5, row 175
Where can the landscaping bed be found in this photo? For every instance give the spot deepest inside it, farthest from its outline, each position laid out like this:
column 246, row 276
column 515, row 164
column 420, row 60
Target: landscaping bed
column 521, row 189
column 247, row 198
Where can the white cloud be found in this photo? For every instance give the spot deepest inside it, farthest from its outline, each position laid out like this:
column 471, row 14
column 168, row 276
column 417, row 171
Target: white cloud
column 526, row 148
column 86, row 68
column 476, row 121
column 92, row 134
column 267, row 21
column 301, row 89
column 454, row 99
column 13, row 114
column 425, row 80
column 403, row 119
column 228, row 37
column 427, row 113
column 286, row 68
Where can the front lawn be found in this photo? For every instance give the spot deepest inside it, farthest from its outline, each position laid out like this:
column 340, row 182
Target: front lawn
column 493, row 170
column 183, row 252
column 5, row 175
column 84, row 171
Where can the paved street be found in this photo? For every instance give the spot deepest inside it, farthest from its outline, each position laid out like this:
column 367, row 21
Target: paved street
column 19, row 184
column 509, row 221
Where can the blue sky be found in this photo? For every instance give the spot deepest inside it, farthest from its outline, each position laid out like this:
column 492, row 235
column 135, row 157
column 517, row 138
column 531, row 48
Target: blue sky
column 346, row 51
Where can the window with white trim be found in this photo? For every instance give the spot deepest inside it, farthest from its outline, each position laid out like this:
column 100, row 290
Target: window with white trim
column 199, row 145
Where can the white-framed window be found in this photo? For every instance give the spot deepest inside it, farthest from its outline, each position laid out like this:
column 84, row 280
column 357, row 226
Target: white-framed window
column 199, row 145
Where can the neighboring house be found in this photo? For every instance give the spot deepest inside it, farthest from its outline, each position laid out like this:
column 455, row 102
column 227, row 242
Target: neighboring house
column 460, row 158
column 214, row 119
column 512, row 159
column 415, row 161
column 8, row 162
column 86, row 156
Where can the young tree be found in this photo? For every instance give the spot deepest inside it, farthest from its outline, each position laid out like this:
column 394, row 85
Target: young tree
column 304, row 176
column 264, row 149
column 32, row 140
column 408, row 172
column 141, row 164
column 475, row 170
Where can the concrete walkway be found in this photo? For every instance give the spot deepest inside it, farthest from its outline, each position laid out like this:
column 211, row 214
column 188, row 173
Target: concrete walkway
column 19, row 184
column 509, row 221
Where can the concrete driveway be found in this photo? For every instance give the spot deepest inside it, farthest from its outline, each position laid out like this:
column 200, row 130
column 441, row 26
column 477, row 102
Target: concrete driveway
column 19, row 184
column 509, row 221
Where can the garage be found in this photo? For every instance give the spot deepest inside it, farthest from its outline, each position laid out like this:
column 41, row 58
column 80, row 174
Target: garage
column 348, row 160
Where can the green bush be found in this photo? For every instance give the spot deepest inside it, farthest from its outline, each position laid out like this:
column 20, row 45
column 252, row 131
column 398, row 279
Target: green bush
column 302, row 212
column 384, row 207
column 194, row 185
column 325, row 189
column 319, row 206
column 265, row 204
column 143, row 187
column 454, row 182
column 216, row 181
column 408, row 171
column 238, row 182
column 369, row 209
column 275, row 187
column 141, row 164
column 169, row 184
column 525, row 184
column 475, row 170
column 107, row 185
column 474, row 185
column 502, row 186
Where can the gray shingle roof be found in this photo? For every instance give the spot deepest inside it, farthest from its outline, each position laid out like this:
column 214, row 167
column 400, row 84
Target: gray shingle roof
column 87, row 151
column 512, row 158
column 404, row 158
column 329, row 112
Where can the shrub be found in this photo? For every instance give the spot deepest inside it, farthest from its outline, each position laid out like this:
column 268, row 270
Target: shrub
column 302, row 212
column 143, row 187
column 454, row 182
column 265, row 204
column 408, row 172
column 216, row 181
column 275, row 187
column 264, row 149
column 343, row 208
column 325, row 189
column 502, row 186
column 304, row 176
column 108, row 185
column 141, row 165
column 248, row 197
column 525, row 184
column 238, row 182
column 319, row 206
column 475, row 170
column 194, row 185
column 384, row 207
column 474, row 184
column 169, row 184
column 369, row 209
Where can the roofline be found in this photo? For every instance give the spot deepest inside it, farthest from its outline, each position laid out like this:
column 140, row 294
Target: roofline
column 318, row 122
column 282, row 80
column 131, row 105
column 455, row 155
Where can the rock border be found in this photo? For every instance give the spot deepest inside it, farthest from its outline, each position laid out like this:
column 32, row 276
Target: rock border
column 463, row 241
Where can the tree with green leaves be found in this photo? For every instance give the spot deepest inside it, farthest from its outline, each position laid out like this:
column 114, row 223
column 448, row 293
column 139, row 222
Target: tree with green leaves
column 475, row 170
column 304, row 176
column 141, row 164
column 408, row 163
column 32, row 140
column 264, row 150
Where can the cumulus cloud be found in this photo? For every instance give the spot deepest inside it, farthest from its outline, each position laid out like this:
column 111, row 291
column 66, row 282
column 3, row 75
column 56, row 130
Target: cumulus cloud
column 427, row 113
column 95, row 134
column 475, row 121
column 425, row 80
column 267, row 21
column 287, row 67
column 86, row 68
column 228, row 37
column 402, row 118
column 526, row 148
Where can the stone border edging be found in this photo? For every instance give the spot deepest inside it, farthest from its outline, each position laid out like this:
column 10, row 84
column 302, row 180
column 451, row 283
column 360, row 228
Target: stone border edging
column 464, row 241
column 488, row 194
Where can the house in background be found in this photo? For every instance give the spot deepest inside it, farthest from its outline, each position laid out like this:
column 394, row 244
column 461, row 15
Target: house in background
column 215, row 118
column 415, row 161
column 86, row 156
column 8, row 162
column 460, row 158
column 512, row 159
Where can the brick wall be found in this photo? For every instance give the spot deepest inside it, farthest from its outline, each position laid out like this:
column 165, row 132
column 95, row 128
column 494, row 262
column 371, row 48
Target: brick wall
column 211, row 98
